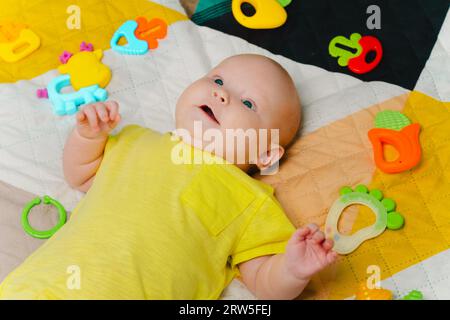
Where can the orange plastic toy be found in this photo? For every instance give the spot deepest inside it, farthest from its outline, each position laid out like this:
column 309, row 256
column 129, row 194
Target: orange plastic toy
column 151, row 31
column 406, row 141
column 17, row 41
column 10, row 31
column 365, row 293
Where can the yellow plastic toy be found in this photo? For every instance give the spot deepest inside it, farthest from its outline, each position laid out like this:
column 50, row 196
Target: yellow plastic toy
column 269, row 14
column 86, row 69
column 16, row 45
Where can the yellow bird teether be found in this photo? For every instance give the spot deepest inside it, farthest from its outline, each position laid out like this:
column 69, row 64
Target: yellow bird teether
column 86, row 69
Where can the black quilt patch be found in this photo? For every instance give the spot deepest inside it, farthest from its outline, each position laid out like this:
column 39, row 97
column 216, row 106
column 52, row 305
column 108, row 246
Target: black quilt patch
column 409, row 30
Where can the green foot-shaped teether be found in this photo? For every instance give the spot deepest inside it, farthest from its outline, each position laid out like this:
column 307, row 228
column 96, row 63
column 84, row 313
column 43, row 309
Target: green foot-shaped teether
column 383, row 208
column 394, row 219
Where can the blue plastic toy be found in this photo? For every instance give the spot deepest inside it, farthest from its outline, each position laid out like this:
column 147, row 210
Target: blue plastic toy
column 68, row 103
column 134, row 46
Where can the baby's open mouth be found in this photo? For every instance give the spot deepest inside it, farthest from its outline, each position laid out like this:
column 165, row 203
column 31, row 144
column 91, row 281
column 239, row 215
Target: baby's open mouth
column 209, row 112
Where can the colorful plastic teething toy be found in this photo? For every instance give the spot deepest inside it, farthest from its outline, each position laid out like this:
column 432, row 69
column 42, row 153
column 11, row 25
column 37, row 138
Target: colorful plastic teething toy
column 86, row 46
column 414, row 295
column 358, row 64
column 10, row 30
column 365, row 293
column 391, row 119
column 356, row 61
column 269, row 14
column 383, row 209
column 46, row 233
column 284, row 3
column 86, row 69
column 345, row 55
column 395, row 129
column 134, row 45
column 68, row 103
column 42, row 93
column 65, row 56
column 151, row 31
column 14, row 48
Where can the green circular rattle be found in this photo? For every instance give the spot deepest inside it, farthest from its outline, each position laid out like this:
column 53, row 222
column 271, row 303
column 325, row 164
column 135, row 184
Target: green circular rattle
column 43, row 234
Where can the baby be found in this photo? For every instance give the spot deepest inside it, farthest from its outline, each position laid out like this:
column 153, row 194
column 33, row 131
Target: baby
column 152, row 227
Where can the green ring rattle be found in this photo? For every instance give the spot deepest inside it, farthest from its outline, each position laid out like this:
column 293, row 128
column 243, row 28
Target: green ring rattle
column 43, row 234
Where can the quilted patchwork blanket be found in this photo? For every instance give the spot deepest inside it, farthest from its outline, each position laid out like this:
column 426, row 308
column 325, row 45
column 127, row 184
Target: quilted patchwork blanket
column 333, row 149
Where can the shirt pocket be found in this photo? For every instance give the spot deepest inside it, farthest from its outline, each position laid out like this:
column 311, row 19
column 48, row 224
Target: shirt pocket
column 217, row 198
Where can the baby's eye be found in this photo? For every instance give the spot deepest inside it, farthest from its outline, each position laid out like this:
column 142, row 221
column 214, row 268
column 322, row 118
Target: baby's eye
column 219, row 82
column 248, row 104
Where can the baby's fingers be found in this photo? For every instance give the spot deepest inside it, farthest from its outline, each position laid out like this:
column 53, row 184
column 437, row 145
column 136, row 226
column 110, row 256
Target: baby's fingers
column 113, row 123
column 113, row 108
column 331, row 257
column 299, row 235
column 313, row 229
column 102, row 112
column 92, row 117
column 81, row 117
column 328, row 244
column 318, row 237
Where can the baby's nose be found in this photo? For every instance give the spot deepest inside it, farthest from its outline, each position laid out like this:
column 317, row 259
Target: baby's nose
column 221, row 95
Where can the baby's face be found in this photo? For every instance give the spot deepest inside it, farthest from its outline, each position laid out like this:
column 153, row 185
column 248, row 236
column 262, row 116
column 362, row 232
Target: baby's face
column 243, row 92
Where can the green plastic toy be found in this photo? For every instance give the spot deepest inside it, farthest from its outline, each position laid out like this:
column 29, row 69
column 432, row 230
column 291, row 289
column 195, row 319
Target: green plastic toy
column 335, row 48
column 43, row 234
column 391, row 119
column 414, row 295
column 395, row 220
column 383, row 208
column 284, row 3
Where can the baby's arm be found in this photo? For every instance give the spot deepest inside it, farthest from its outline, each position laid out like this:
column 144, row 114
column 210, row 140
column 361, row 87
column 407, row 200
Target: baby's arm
column 84, row 148
column 284, row 276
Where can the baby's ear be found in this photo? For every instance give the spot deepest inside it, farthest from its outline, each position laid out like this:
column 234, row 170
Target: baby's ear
column 269, row 158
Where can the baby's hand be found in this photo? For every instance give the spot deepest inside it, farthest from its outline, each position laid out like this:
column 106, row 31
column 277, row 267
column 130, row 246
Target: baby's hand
column 98, row 119
column 307, row 252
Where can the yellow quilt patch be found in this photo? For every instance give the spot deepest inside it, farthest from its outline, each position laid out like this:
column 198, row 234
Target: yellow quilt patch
column 422, row 196
column 51, row 20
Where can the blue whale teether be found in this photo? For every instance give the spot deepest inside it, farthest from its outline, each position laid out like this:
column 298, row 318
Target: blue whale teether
column 68, row 103
column 134, row 46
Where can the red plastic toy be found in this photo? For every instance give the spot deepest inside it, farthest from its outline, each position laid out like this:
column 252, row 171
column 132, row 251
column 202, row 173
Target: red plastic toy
column 358, row 64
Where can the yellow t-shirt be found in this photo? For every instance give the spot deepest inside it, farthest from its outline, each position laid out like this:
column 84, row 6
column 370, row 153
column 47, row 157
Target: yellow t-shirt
column 150, row 228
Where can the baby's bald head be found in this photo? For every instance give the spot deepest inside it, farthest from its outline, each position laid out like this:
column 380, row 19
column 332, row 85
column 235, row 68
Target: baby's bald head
column 246, row 91
column 283, row 110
